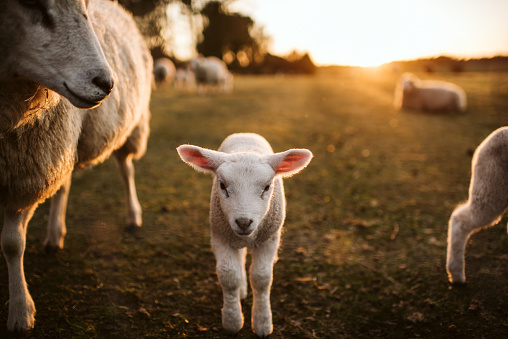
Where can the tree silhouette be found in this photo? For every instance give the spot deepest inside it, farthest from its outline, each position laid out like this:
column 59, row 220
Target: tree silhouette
column 227, row 33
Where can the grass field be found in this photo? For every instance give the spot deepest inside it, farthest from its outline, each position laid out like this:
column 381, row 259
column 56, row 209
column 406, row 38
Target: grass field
column 364, row 243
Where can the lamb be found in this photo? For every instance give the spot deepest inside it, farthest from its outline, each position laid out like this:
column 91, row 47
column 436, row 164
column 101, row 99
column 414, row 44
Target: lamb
column 247, row 210
column 488, row 200
column 211, row 72
column 164, row 71
column 429, row 95
column 60, row 59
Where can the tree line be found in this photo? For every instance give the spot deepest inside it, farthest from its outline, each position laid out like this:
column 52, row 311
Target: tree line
column 232, row 37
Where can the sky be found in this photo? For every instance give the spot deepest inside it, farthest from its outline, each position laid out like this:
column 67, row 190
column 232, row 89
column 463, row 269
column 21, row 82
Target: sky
column 373, row 32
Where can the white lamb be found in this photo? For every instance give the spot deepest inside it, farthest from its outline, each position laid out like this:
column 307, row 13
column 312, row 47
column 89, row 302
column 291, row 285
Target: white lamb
column 429, row 95
column 247, row 210
column 57, row 56
column 164, row 71
column 210, row 73
column 488, row 200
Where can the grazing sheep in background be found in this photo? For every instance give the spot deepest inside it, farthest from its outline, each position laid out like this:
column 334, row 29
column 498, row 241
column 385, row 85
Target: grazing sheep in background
column 247, row 210
column 59, row 56
column 164, row 71
column 429, row 95
column 488, row 199
column 184, row 79
column 211, row 72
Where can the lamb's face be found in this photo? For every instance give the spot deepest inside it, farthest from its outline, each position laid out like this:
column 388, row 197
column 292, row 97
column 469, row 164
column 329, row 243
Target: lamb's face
column 245, row 186
column 244, row 181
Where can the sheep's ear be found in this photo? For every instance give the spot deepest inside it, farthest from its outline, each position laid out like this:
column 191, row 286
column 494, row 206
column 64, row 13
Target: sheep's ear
column 290, row 162
column 201, row 159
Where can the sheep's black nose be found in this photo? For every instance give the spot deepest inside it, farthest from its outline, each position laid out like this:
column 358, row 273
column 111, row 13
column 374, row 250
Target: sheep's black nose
column 105, row 83
column 243, row 223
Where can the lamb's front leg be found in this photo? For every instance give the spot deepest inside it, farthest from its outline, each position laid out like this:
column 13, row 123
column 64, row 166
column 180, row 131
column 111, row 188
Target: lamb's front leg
column 56, row 223
column 261, row 272
column 229, row 271
column 21, row 305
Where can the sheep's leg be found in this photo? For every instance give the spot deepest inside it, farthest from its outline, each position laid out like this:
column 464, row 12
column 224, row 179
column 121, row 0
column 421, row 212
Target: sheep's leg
column 21, row 305
column 56, row 224
column 229, row 271
column 261, row 272
column 488, row 197
column 465, row 220
column 126, row 168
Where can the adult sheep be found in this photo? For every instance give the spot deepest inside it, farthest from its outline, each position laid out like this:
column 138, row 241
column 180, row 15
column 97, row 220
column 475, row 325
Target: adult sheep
column 429, row 95
column 211, row 72
column 164, row 71
column 247, row 210
column 488, row 200
column 184, row 79
column 58, row 62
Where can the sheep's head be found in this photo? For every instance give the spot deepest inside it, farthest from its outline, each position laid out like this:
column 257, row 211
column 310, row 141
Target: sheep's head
column 52, row 42
column 245, row 181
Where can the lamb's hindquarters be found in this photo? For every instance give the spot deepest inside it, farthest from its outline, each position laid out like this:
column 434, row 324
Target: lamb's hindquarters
column 488, row 199
column 232, row 278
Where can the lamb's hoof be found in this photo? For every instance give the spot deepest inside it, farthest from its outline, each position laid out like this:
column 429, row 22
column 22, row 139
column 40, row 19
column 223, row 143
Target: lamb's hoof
column 232, row 321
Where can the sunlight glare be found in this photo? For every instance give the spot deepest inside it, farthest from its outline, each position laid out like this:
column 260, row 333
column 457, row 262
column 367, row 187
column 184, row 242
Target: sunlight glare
column 373, row 32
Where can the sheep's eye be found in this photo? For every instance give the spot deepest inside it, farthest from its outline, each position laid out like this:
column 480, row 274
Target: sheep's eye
column 267, row 187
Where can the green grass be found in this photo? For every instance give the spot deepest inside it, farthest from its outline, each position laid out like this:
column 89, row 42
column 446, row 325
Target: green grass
column 364, row 243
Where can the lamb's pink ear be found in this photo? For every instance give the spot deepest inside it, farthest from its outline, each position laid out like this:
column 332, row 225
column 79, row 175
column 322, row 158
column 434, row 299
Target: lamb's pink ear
column 201, row 159
column 290, row 162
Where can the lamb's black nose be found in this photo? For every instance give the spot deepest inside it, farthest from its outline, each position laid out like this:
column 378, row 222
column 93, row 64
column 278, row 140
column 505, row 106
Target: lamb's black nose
column 243, row 223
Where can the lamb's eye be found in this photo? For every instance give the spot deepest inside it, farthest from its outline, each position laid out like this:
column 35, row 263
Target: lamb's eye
column 224, row 189
column 267, row 187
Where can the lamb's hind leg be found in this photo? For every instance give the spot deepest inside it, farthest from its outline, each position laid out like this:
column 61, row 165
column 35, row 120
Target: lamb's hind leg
column 21, row 305
column 126, row 168
column 56, row 224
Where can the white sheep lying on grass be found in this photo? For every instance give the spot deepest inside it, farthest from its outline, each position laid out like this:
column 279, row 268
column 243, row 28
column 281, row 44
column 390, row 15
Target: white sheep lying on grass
column 247, row 211
column 429, row 95
column 57, row 56
column 488, row 199
column 164, row 71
